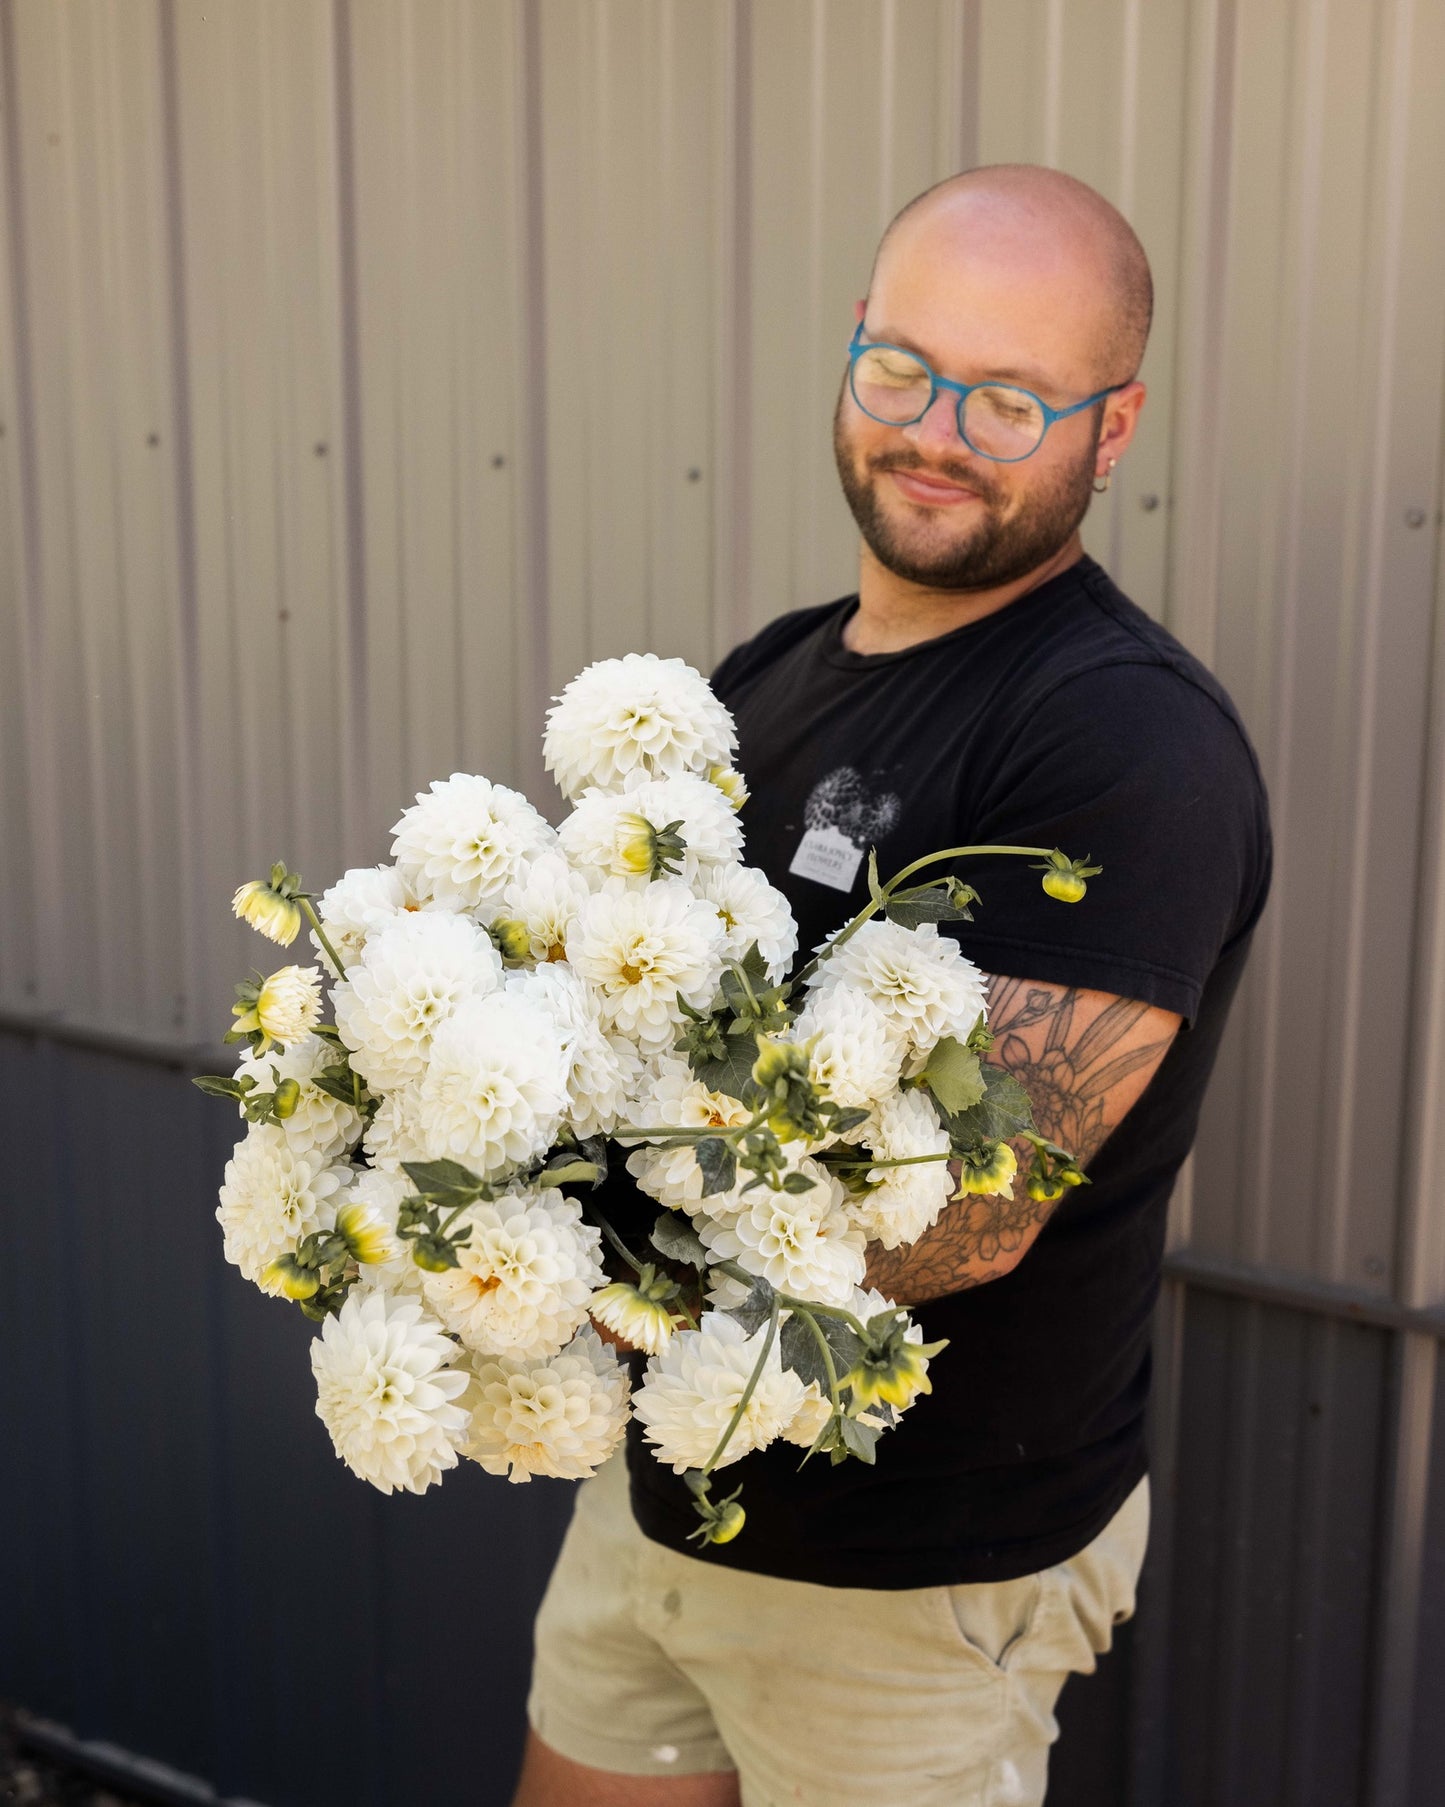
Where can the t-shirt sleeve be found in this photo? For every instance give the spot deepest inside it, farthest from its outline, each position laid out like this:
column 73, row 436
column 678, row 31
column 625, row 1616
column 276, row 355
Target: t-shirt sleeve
column 1142, row 771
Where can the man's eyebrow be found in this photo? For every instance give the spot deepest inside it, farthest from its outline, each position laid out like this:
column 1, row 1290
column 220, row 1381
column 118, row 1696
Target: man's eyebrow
column 1034, row 379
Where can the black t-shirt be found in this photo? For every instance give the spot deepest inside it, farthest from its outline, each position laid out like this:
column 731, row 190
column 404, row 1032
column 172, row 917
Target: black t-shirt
column 1068, row 718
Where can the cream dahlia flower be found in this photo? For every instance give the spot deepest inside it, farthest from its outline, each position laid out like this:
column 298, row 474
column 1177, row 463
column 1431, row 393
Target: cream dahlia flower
column 804, row 1243
column 562, row 1417
column 287, row 1007
column 919, row 978
column 751, row 910
column 320, row 1124
column 601, row 1071
column 466, row 839
column 495, row 1085
column 391, row 1136
column 673, row 1097
column 814, row 1412
column 271, row 1196
column 638, row 1318
column 412, row 975
column 691, row 1390
column 359, row 903
column 640, row 949
column 387, row 1393
column 375, row 1197
column 544, row 900
column 905, row 1201
column 525, row 1278
column 856, row 1055
column 598, row 837
column 634, row 717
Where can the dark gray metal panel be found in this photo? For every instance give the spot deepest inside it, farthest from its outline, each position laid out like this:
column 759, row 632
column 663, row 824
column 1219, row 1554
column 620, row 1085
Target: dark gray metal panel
column 1427, row 1768
column 1275, row 1556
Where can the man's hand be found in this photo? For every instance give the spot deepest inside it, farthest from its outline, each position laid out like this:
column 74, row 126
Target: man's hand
column 1084, row 1058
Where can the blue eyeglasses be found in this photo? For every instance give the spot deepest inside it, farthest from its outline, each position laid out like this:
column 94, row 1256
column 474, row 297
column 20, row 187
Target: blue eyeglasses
column 996, row 420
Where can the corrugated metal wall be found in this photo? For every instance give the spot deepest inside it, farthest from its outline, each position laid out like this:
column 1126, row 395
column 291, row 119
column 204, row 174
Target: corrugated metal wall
column 366, row 366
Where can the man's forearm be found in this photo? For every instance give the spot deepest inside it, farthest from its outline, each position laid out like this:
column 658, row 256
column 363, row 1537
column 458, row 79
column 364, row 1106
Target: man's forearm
column 975, row 1240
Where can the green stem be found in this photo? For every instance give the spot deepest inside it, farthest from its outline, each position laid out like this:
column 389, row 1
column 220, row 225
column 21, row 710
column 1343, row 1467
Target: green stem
column 323, row 937
column 664, row 1132
column 904, row 1160
column 748, row 1390
column 742, row 979
column 736, row 1271
column 822, row 1342
column 617, row 1242
column 874, row 904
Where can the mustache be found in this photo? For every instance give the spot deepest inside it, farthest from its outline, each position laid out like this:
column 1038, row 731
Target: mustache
column 955, row 473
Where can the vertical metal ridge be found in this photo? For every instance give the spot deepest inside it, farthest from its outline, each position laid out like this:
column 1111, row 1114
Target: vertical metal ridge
column 1053, row 82
column 45, row 813
column 533, row 559
column 187, row 659
column 357, row 786
column 732, row 521
column 887, row 122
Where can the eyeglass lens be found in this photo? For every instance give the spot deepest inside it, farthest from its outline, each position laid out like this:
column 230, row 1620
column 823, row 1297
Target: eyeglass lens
column 895, row 387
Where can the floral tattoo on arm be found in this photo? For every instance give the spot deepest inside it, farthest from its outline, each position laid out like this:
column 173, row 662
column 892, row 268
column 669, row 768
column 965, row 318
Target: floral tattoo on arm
column 1075, row 1060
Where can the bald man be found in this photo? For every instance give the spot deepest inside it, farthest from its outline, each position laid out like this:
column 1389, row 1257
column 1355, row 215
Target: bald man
column 897, row 1635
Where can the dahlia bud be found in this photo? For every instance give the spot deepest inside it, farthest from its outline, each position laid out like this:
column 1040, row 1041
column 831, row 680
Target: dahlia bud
column 987, row 1170
column 287, row 1276
column 731, row 783
column 270, row 906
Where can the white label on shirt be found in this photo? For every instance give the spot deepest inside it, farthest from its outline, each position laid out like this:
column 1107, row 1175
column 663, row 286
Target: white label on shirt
column 828, row 857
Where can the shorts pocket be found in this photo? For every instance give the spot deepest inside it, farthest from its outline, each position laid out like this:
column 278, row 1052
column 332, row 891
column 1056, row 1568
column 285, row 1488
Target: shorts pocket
column 992, row 1620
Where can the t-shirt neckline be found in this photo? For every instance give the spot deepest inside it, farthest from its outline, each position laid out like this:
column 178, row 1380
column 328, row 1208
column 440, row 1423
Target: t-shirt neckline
column 836, row 653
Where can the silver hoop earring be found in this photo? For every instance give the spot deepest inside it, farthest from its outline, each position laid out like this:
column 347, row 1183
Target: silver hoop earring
column 1099, row 488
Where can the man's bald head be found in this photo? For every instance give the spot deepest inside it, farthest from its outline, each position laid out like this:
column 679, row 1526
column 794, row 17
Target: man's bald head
column 1017, row 210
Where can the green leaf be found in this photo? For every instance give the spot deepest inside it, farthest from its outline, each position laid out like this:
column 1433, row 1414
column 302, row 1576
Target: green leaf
column 675, row 1238
column 1001, row 1114
column 954, row 1075
column 733, row 1073
column 842, row 1121
column 858, row 1439
column 718, row 1164
column 799, row 1350
column 911, row 910
column 797, row 1182
column 215, row 1085
column 875, row 885
column 447, row 1180
column 756, row 1309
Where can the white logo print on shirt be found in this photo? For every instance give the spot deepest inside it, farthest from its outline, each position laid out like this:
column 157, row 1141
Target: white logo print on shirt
column 840, row 818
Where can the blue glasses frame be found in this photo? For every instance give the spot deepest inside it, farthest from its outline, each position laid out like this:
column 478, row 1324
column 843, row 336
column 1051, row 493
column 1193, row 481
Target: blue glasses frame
column 962, row 391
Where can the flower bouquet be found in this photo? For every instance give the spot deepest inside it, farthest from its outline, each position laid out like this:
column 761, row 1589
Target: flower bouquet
column 516, row 1006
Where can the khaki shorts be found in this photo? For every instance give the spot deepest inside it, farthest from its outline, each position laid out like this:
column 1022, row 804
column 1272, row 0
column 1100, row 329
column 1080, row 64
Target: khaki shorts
column 651, row 1663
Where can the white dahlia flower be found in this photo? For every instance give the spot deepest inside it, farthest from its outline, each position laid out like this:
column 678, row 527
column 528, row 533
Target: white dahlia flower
column 905, row 1201
column 691, row 1390
column 466, row 839
column 544, row 900
column 634, row 717
column 638, row 1318
column 751, row 910
column 562, row 1417
column 526, row 1276
column 271, row 1196
column 413, row 973
column 804, row 1243
column 857, row 1055
column 288, row 1005
column 358, row 904
column 639, row 950
column 601, row 1071
column 673, row 1097
column 814, row 1412
column 495, row 1085
column 320, row 1124
column 387, row 1393
column 919, row 978
column 392, row 1137
column 598, row 837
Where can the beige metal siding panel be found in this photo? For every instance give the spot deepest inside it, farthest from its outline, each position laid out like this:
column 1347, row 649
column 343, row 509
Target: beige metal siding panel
column 255, row 84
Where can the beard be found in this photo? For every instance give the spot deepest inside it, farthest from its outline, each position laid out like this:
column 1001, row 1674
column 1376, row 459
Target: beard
column 993, row 551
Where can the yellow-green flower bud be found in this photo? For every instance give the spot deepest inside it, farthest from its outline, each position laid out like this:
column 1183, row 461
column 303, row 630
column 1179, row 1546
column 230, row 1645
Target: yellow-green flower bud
column 639, row 850
column 285, row 1275
column 990, row 1174
column 729, row 1521
column 1045, row 1188
column 635, row 1315
column 286, row 1098
column 895, row 1377
column 1067, row 887
column 731, row 783
column 779, row 1060
column 510, row 938
column 365, row 1232
column 270, row 908
column 1071, row 1176
column 288, row 1005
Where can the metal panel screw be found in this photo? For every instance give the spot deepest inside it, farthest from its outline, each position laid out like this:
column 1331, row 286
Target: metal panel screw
column 153, row 438
column 498, row 461
column 1149, row 503
column 1414, row 517
column 694, row 475
column 320, row 448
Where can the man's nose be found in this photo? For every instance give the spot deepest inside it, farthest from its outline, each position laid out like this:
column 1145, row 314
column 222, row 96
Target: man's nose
column 938, row 427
